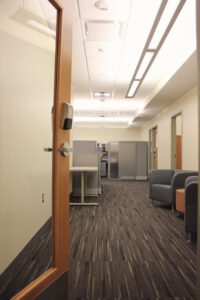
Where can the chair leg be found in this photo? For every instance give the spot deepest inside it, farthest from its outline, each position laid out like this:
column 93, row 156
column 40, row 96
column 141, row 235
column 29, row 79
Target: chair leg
column 189, row 237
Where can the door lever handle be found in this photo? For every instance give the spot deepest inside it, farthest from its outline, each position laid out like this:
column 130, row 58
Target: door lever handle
column 48, row 149
column 65, row 149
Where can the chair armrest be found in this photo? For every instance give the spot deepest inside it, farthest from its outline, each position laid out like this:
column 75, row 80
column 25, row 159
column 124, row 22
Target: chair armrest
column 191, row 179
column 162, row 176
column 191, row 200
column 178, row 182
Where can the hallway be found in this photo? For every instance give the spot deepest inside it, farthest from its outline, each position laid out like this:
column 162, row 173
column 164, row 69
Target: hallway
column 126, row 248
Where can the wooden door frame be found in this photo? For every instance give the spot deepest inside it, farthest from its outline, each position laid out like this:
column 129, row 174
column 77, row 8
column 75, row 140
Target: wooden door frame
column 60, row 193
column 173, row 137
column 151, row 141
column 198, row 85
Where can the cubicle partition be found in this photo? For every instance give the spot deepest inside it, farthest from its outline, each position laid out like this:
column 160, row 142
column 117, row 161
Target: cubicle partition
column 113, row 160
column 85, row 155
column 128, row 160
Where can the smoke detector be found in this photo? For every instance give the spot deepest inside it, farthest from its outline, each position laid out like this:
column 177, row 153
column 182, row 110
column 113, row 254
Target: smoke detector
column 102, row 4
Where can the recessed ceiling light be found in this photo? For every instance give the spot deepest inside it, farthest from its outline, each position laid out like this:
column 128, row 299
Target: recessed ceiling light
column 102, row 94
column 102, row 4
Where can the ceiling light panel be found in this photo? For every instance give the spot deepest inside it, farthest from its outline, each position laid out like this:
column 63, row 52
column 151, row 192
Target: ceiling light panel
column 107, row 105
column 177, row 48
column 133, row 88
column 142, row 16
column 164, row 22
column 96, row 30
column 144, row 64
column 102, row 119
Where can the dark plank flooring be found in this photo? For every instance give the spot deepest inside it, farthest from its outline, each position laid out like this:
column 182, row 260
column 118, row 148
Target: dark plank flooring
column 126, row 248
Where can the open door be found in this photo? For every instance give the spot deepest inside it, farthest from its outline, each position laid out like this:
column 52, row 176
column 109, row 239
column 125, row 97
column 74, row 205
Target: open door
column 35, row 72
column 153, row 141
column 176, row 141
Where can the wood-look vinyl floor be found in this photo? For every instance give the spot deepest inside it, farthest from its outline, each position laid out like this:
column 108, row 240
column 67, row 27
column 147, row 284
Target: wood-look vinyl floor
column 127, row 248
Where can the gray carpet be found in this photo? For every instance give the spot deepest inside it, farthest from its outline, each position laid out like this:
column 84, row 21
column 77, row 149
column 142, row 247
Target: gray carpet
column 126, row 248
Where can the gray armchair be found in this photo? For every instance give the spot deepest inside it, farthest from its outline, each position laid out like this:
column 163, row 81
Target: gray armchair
column 164, row 183
column 191, row 200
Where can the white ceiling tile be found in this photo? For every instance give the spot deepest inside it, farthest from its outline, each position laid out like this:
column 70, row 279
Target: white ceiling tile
column 77, row 33
column 102, row 66
column 78, row 49
column 103, row 49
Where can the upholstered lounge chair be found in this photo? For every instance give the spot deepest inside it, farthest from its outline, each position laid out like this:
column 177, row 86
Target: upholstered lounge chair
column 191, row 200
column 164, row 183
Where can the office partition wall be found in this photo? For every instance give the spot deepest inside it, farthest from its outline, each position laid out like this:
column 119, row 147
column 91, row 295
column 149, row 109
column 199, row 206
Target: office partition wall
column 113, row 160
column 85, row 155
column 142, row 161
column 128, row 160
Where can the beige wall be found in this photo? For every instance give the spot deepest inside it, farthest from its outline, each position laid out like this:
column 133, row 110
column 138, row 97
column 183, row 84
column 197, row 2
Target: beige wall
column 188, row 106
column 26, row 84
column 105, row 135
column 179, row 125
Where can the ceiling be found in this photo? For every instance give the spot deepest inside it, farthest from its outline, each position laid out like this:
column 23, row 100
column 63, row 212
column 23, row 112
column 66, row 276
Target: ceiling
column 112, row 41
column 108, row 46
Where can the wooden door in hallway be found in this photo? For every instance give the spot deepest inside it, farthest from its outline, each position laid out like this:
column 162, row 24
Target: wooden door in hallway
column 154, row 147
column 176, row 141
column 57, row 35
column 178, row 152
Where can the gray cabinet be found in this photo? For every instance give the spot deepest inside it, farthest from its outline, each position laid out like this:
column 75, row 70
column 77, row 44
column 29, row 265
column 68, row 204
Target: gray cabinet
column 142, row 161
column 113, row 160
column 128, row 160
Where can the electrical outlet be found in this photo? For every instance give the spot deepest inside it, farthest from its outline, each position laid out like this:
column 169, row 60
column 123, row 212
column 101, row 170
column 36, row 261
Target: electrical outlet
column 43, row 197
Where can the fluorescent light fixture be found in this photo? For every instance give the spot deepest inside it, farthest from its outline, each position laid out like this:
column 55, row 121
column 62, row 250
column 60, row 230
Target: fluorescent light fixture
column 163, row 23
column 101, row 94
column 42, row 28
column 144, row 64
column 101, row 119
column 107, row 105
column 133, row 88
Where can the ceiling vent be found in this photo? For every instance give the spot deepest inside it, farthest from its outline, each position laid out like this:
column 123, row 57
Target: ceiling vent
column 103, row 30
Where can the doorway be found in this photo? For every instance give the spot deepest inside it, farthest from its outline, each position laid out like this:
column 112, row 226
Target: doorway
column 153, row 142
column 176, row 141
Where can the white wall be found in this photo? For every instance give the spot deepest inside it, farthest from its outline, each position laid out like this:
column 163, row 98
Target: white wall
column 105, row 135
column 26, row 85
column 188, row 106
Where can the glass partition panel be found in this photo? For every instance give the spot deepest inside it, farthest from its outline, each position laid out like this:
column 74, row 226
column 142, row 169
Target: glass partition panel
column 27, row 63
